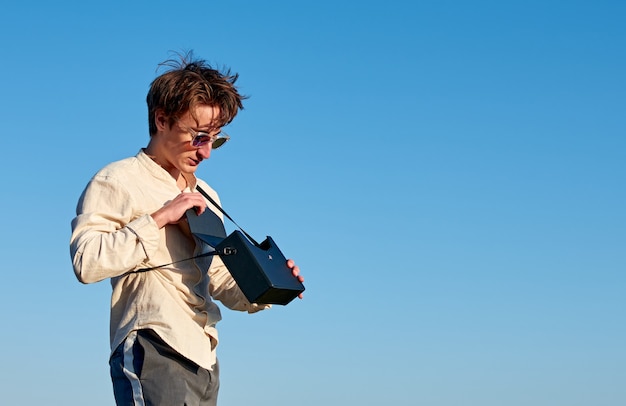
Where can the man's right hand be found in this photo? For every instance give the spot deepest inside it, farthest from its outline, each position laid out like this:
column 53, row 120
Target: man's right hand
column 174, row 210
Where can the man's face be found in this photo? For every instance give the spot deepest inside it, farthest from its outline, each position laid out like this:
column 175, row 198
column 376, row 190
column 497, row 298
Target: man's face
column 175, row 152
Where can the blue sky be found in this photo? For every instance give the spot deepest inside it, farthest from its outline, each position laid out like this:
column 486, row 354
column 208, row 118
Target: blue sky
column 449, row 176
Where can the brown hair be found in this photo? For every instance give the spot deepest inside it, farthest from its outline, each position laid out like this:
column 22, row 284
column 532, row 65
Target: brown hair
column 190, row 83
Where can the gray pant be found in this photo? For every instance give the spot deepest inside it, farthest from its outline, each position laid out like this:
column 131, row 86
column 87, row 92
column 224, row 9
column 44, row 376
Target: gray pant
column 146, row 372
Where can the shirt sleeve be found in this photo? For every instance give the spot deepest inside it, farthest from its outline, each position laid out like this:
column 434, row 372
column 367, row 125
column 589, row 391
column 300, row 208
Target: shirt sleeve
column 109, row 238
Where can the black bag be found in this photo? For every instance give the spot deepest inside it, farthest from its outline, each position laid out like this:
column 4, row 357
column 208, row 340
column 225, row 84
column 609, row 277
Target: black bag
column 260, row 270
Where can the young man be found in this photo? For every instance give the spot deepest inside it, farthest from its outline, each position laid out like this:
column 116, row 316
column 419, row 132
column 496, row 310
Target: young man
column 131, row 227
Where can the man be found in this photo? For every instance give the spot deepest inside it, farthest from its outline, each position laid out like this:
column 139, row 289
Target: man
column 131, row 227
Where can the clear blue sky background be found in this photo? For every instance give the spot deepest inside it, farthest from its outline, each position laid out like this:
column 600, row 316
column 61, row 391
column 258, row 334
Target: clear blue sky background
column 449, row 175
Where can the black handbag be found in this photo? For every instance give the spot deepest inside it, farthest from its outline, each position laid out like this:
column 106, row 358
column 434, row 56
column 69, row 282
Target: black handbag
column 260, row 270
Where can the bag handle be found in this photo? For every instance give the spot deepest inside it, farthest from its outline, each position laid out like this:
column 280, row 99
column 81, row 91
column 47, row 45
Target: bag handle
column 217, row 206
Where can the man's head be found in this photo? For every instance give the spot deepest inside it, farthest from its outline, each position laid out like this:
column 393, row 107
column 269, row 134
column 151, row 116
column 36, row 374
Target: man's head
column 189, row 84
column 187, row 108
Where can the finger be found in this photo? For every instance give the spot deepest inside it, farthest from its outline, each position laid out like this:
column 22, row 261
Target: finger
column 295, row 270
column 290, row 263
column 200, row 209
column 192, row 201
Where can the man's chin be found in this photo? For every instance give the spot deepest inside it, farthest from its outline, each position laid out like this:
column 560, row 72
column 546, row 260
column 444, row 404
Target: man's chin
column 191, row 166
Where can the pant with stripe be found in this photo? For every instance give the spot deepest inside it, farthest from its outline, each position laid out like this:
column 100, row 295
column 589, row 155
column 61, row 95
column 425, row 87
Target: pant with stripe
column 146, row 372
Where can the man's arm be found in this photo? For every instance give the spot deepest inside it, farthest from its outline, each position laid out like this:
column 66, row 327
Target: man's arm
column 108, row 237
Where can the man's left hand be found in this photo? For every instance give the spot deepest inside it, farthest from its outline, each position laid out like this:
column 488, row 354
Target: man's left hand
column 295, row 270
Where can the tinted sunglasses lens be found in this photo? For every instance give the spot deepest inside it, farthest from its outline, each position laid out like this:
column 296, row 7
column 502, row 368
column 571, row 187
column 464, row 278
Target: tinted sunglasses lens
column 200, row 140
column 219, row 142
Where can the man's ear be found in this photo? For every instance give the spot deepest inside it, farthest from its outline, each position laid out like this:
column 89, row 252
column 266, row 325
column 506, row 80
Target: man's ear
column 161, row 120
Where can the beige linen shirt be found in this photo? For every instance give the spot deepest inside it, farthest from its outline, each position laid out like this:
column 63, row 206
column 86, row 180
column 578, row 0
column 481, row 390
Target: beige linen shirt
column 114, row 236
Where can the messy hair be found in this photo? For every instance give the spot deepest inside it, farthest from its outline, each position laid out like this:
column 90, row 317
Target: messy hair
column 190, row 83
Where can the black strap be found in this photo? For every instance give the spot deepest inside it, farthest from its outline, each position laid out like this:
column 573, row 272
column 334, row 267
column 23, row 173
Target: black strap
column 206, row 254
column 217, row 206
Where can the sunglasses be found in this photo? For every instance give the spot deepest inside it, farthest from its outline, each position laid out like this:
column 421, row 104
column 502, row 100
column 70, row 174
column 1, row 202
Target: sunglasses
column 201, row 138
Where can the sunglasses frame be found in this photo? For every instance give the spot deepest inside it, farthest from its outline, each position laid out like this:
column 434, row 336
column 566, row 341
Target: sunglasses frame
column 216, row 140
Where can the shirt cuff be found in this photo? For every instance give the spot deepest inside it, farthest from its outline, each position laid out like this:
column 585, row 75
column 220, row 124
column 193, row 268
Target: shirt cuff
column 147, row 232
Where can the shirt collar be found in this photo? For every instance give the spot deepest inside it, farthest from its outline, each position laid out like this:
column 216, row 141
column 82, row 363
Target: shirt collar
column 160, row 173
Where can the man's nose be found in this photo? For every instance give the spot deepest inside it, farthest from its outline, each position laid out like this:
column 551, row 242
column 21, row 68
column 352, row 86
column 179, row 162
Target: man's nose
column 205, row 151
